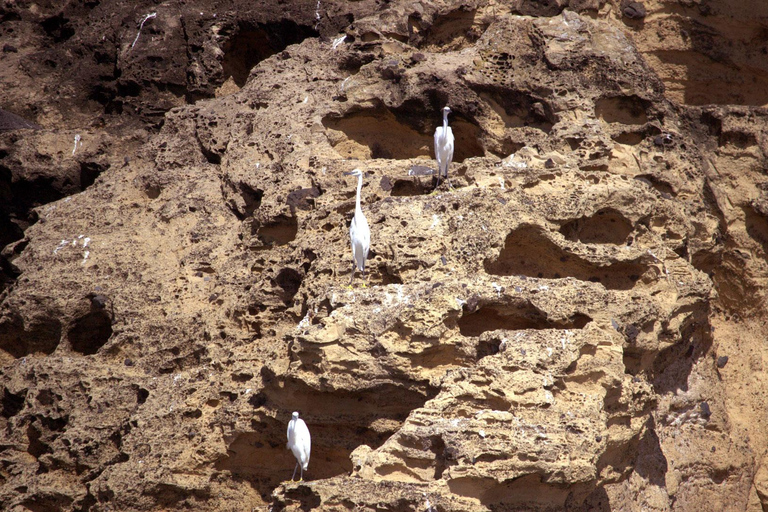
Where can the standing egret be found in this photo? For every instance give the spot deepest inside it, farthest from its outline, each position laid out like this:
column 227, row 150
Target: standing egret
column 299, row 443
column 359, row 232
column 443, row 146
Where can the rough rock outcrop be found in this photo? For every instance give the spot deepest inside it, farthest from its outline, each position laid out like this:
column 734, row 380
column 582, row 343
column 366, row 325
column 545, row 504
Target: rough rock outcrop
column 575, row 322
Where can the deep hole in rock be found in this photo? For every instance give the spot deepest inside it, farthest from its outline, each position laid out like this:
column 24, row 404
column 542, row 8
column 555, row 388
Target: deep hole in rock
column 606, row 226
column 211, row 155
column 10, row 231
column 89, row 171
column 739, row 139
column 338, row 421
column 141, row 395
column 279, row 231
column 42, row 333
column 757, row 227
column 403, row 133
column 408, row 187
column 19, row 195
column 54, row 424
column 90, row 332
column 58, row 28
column 252, row 197
column 519, row 315
column 632, row 137
column 628, row 138
column 153, row 191
column 529, row 252
column 12, row 404
column 36, row 448
column 289, row 280
column 622, row 109
column 250, row 43
column 8, row 271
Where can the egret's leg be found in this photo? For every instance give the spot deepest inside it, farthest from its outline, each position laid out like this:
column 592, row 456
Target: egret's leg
column 352, row 276
column 294, row 472
column 446, row 178
column 301, row 478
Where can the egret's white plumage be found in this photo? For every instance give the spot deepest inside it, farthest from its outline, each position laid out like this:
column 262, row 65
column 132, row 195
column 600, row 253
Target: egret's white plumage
column 299, row 443
column 443, row 146
column 359, row 232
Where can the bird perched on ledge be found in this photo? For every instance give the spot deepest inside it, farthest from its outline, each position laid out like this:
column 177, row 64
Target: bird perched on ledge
column 359, row 232
column 443, row 146
column 300, row 443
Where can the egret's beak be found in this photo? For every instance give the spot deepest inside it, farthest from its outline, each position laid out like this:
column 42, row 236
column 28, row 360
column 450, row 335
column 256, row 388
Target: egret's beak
column 349, row 173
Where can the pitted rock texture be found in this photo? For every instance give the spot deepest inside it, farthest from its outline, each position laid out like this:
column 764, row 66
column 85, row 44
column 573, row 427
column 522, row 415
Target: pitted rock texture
column 575, row 322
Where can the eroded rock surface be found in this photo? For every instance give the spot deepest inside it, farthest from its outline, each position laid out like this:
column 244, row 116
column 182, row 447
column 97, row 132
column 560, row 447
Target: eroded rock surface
column 575, row 322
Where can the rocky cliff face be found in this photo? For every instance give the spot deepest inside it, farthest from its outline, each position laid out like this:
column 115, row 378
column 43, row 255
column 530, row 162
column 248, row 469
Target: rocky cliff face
column 576, row 322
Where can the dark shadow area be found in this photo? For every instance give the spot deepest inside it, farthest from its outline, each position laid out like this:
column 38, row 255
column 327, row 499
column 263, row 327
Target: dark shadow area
column 516, row 108
column 662, row 187
column 529, row 252
column 41, row 334
column 526, row 492
column 634, row 137
column 757, row 227
column 278, row 231
column 89, row 171
column 250, row 43
column 309, row 500
column 596, row 501
column 289, row 280
column 607, row 226
column 411, row 187
column 622, row 109
column 651, row 463
column 58, row 28
column 90, row 332
column 11, row 403
column 672, row 366
column 47, row 502
column 251, row 199
column 10, row 121
column 515, row 316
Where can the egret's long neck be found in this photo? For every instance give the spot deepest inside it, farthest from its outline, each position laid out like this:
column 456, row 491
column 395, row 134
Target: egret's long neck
column 359, row 189
column 445, row 122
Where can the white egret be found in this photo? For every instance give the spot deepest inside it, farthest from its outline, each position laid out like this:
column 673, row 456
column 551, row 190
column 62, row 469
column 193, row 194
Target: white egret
column 299, row 443
column 443, row 146
column 359, row 232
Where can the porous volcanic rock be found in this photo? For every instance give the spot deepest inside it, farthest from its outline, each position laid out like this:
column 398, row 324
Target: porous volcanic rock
column 544, row 332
